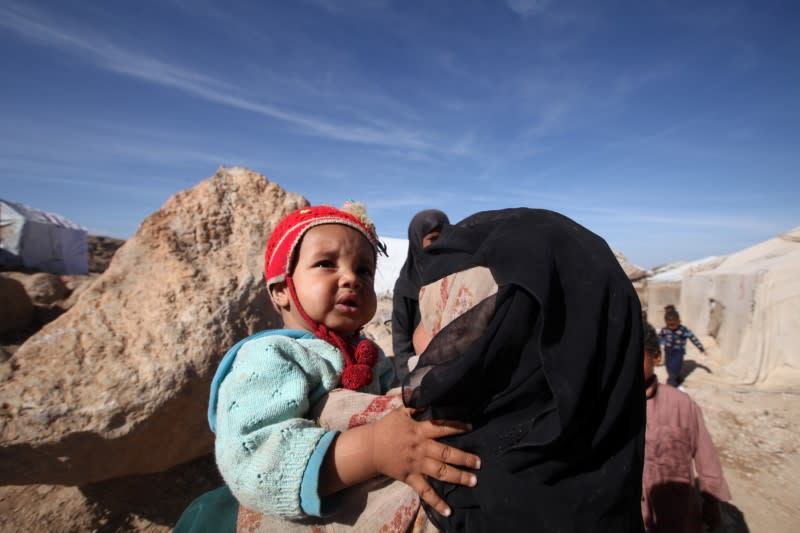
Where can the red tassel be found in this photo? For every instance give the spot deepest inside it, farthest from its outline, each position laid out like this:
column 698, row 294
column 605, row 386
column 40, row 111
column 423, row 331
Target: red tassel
column 366, row 353
column 356, row 376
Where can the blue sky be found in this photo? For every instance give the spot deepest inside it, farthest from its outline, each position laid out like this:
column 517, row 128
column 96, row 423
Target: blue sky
column 670, row 128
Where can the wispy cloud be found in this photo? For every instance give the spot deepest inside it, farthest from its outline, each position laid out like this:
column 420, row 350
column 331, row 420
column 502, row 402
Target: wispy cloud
column 106, row 55
column 334, row 6
column 683, row 219
column 527, row 8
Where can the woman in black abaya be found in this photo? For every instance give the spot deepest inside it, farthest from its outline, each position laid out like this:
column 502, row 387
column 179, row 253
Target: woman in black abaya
column 536, row 341
column 422, row 231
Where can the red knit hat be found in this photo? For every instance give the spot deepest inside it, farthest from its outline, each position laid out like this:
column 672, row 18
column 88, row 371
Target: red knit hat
column 283, row 242
column 279, row 255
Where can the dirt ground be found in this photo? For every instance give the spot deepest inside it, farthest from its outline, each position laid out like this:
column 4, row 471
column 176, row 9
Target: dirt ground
column 756, row 430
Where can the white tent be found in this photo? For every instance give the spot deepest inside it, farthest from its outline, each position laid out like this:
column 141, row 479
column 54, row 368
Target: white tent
column 665, row 287
column 38, row 240
column 750, row 303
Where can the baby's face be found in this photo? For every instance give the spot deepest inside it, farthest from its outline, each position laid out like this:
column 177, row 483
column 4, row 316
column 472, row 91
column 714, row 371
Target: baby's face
column 673, row 324
column 334, row 278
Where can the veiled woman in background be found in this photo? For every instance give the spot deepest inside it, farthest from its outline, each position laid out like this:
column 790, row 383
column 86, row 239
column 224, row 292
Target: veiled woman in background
column 423, row 230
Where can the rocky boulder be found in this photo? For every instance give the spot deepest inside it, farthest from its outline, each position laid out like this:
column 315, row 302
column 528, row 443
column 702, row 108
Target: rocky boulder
column 634, row 272
column 118, row 385
column 16, row 313
column 101, row 251
column 43, row 288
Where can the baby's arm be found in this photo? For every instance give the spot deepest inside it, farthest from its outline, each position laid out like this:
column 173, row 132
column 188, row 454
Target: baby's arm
column 264, row 442
column 402, row 448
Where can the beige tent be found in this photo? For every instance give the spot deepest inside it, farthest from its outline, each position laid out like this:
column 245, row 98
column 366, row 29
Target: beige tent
column 665, row 287
column 751, row 304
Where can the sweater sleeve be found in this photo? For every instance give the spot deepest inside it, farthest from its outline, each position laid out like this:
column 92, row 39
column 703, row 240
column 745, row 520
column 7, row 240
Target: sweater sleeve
column 692, row 337
column 264, row 443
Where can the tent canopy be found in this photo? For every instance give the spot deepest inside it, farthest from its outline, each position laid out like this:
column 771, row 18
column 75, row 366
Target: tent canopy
column 38, row 240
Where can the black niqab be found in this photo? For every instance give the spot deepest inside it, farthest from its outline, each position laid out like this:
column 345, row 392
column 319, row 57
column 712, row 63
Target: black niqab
column 548, row 371
column 410, row 279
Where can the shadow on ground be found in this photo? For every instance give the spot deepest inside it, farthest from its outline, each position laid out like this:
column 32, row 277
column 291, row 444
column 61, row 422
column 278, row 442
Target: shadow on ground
column 689, row 366
column 158, row 498
column 732, row 520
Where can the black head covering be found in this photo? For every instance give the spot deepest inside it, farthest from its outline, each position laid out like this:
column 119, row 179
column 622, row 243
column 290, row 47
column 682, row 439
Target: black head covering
column 405, row 309
column 410, row 279
column 548, row 371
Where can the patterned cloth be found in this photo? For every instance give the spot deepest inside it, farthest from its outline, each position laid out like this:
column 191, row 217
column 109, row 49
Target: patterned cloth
column 676, row 437
column 444, row 300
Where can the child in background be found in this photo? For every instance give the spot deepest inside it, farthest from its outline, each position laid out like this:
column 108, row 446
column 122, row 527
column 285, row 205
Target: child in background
column 673, row 337
column 676, row 435
column 319, row 267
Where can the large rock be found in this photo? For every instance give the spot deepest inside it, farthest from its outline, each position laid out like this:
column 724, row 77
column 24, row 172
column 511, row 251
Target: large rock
column 118, row 385
column 101, row 251
column 634, row 272
column 17, row 310
column 43, row 288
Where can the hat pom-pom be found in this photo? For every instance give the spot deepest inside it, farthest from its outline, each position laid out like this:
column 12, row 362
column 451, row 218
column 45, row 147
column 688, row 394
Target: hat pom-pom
column 356, row 376
column 366, row 353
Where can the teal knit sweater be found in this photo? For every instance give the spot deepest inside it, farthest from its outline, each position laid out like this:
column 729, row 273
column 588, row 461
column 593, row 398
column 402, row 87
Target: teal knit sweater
column 264, row 444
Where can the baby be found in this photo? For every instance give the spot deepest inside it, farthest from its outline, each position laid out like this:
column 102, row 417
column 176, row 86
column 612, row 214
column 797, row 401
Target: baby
column 320, row 266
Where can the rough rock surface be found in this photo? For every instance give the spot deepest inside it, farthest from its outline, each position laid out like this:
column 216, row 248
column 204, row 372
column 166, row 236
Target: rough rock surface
column 101, row 251
column 634, row 272
column 118, row 385
column 17, row 310
column 43, row 288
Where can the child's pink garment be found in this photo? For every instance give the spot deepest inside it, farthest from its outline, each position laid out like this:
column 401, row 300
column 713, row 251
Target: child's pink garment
column 676, row 435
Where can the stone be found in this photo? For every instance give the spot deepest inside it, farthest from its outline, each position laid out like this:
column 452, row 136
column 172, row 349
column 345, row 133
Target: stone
column 43, row 288
column 633, row 272
column 16, row 313
column 101, row 251
column 118, row 385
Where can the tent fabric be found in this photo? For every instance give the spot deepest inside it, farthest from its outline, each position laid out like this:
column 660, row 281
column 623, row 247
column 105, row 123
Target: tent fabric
column 665, row 287
column 751, row 304
column 38, row 240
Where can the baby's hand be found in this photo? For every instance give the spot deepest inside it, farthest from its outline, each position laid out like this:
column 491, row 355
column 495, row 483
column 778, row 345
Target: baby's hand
column 407, row 450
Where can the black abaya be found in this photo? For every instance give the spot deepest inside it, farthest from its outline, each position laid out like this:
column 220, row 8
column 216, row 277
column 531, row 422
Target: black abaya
column 548, row 371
